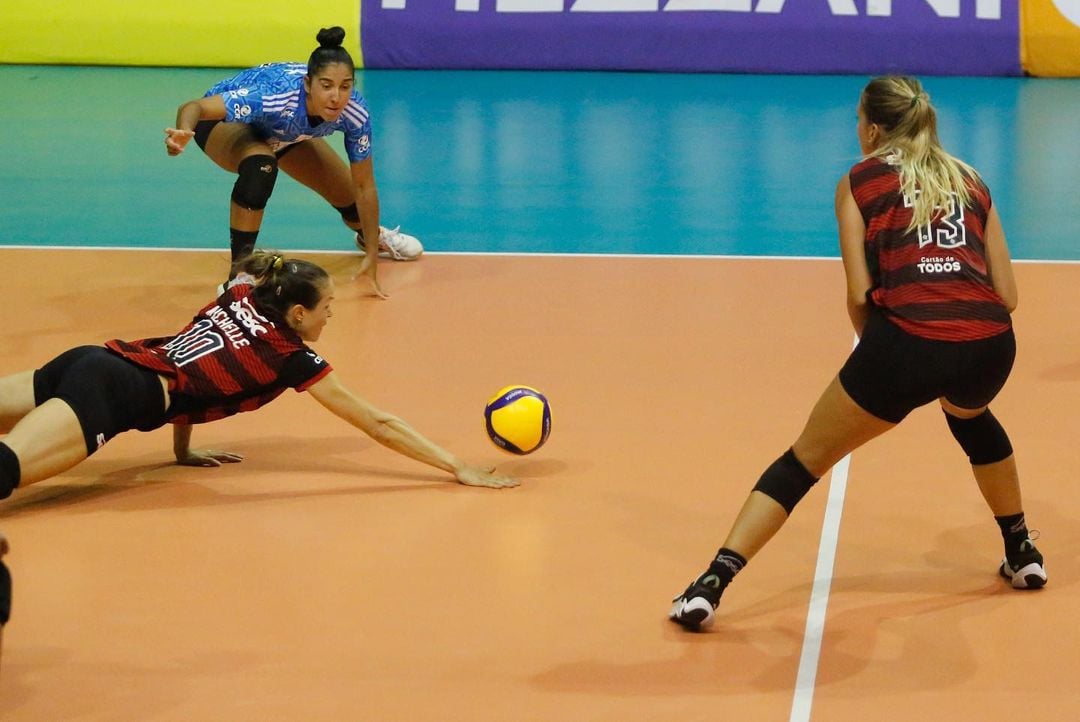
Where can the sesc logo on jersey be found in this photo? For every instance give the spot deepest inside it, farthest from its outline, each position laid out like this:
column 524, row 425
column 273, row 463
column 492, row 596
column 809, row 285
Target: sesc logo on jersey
column 363, row 143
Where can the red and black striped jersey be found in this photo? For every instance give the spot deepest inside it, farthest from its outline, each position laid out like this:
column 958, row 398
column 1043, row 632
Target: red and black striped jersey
column 932, row 281
column 234, row 356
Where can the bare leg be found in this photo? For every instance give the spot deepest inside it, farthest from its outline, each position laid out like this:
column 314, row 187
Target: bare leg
column 244, row 219
column 315, row 164
column 836, row 427
column 48, row 441
column 758, row 521
column 1000, row 486
column 16, row 399
column 999, row 482
column 227, row 145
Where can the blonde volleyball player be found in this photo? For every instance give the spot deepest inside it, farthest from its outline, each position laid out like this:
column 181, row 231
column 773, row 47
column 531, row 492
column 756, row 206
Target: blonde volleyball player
column 930, row 292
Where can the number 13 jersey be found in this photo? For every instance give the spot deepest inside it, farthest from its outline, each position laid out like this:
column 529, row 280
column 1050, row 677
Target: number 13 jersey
column 932, row 281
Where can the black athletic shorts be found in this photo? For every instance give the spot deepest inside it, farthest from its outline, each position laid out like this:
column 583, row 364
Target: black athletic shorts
column 108, row 393
column 202, row 132
column 891, row 373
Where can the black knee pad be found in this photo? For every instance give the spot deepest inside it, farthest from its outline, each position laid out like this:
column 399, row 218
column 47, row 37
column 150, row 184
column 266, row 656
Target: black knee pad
column 10, row 471
column 981, row 437
column 786, row 481
column 252, row 189
column 349, row 213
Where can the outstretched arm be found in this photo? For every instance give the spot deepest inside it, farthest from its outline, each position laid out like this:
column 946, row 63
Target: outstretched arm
column 186, row 456
column 395, row 433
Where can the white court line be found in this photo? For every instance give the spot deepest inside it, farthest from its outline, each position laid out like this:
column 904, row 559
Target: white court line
column 649, row 256
column 819, row 598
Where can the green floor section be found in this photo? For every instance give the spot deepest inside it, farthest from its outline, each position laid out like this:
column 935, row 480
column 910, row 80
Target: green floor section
column 529, row 162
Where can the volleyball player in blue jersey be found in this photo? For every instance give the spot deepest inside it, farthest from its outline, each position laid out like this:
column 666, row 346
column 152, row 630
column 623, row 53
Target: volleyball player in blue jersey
column 277, row 116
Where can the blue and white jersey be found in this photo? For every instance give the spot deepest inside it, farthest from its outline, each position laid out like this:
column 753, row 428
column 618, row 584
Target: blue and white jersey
column 271, row 98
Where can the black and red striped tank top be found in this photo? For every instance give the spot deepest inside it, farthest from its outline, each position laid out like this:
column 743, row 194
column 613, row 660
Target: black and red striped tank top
column 234, row 356
column 931, row 281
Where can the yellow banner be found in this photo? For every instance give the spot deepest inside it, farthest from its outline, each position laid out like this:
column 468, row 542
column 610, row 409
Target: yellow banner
column 208, row 33
column 1050, row 37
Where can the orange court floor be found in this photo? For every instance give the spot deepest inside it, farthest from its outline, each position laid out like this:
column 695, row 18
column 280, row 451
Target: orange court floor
column 328, row 578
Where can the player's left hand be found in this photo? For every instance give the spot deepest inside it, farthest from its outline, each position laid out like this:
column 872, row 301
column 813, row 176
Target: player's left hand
column 208, row 457
column 475, row 476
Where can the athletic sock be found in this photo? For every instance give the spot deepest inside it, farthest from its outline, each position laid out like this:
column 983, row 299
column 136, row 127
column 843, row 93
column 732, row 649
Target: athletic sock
column 241, row 243
column 725, row 566
column 1014, row 531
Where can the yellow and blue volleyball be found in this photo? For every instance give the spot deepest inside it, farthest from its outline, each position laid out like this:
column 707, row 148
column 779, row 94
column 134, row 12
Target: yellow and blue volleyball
column 518, row 419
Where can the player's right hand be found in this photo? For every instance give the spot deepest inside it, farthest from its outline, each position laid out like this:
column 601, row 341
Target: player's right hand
column 367, row 269
column 175, row 140
column 476, row 476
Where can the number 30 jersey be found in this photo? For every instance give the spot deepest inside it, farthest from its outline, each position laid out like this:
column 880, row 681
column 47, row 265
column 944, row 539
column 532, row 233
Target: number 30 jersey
column 234, row 356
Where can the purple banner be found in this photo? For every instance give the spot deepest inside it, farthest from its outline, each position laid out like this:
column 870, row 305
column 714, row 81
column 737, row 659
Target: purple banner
column 933, row 37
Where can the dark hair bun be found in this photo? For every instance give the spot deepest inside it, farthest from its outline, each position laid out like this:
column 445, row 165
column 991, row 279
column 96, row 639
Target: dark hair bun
column 331, row 37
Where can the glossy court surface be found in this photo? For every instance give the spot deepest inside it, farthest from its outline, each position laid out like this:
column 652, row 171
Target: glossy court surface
column 685, row 313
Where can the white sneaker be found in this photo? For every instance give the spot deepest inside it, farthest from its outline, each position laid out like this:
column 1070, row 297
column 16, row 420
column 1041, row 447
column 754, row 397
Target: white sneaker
column 395, row 244
column 240, row 278
column 695, row 608
column 1025, row 570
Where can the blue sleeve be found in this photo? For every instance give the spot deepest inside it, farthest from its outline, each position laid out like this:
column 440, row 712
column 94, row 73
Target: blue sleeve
column 357, row 127
column 358, row 143
column 243, row 105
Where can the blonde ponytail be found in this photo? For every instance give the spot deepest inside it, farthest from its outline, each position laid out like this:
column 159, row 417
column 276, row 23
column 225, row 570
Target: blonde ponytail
column 930, row 178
